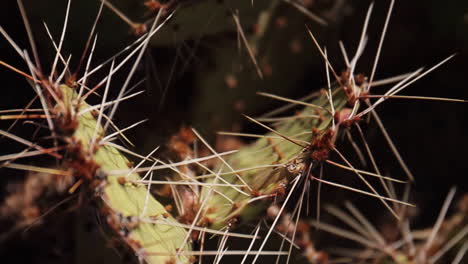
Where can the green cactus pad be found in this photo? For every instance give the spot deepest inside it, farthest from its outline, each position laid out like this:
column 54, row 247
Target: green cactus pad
column 124, row 202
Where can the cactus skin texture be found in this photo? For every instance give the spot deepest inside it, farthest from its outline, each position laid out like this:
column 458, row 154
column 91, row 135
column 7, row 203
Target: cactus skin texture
column 273, row 149
column 123, row 201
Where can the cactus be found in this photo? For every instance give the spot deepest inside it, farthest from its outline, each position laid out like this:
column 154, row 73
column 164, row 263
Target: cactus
column 400, row 244
column 286, row 151
column 129, row 207
column 294, row 147
column 215, row 197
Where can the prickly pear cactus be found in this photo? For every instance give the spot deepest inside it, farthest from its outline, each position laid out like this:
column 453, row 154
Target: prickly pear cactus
column 290, row 152
column 129, row 207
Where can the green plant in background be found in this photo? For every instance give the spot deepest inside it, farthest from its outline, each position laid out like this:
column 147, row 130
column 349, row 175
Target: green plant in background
column 400, row 244
column 235, row 187
column 245, row 48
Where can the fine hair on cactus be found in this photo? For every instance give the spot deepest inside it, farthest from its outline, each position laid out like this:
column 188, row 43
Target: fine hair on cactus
column 247, row 174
